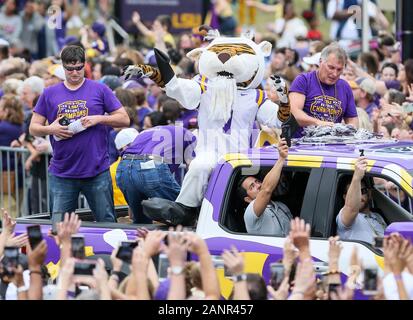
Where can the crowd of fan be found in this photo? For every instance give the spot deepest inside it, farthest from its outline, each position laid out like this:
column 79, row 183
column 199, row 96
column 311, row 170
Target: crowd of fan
column 138, row 278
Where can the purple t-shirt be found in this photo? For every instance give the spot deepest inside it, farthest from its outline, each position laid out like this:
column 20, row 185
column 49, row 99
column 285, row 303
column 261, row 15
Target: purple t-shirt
column 85, row 155
column 339, row 102
column 8, row 133
column 142, row 112
column 174, row 143
column 189, row 117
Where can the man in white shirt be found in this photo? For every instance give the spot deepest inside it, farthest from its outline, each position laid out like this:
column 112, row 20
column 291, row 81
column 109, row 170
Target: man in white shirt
column 355, row 220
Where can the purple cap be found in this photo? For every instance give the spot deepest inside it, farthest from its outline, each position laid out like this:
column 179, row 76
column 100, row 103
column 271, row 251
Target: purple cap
column 99, row 28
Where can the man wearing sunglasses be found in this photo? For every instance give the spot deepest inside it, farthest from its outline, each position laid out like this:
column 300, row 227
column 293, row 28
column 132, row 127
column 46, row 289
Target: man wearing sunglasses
column 80, row 161
column 355, row 220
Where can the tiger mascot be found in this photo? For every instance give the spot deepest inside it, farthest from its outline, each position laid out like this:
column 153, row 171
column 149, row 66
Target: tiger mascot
column 228, row 101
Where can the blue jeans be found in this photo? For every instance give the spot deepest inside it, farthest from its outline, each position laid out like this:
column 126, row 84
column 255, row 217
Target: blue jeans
column 139, row 184
column 98, row 191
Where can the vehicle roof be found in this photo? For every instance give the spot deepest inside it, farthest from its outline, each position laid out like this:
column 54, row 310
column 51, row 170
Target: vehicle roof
column 398, row 152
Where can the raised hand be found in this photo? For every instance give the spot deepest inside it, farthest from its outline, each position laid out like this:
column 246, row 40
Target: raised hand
column 290, row 253
column 282, row 292
column 7, row 222
column 283, row 148
column 153, row 242
column 68, row 227
column 133, row 72
column 233, row 260
column 300, row 234
column 142, row 70
column 334, row 251
column 360, row 167
column 18, row 241
column 136, row 18
column 280, row 87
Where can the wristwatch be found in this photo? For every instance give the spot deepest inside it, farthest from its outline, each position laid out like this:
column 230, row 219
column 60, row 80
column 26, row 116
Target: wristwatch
column 240, row 277
column 177, row 270
column 21, row 289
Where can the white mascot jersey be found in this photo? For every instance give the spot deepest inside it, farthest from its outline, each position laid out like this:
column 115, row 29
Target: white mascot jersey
column 226, row 95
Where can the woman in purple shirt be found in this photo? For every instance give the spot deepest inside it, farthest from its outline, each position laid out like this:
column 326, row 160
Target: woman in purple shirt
column 320, row 97
column 11, row 124
column 11, row 127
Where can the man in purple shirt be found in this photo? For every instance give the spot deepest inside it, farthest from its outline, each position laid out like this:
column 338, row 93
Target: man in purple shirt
column 320, row 97
column 143, row 171
column 80, row 161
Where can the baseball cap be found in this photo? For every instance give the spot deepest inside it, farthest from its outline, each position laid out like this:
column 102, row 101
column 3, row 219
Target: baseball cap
column 367, row 85
column 353, row 84
column 99, row 28
column 124, row 137
column 396, row 47
column 4, row 43
column 113, row 82
column 57, row 71
column 313, row 60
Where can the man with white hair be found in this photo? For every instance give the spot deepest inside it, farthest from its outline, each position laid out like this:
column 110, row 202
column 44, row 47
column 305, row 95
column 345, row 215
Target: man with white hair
column 31, row 89
column 320, row 97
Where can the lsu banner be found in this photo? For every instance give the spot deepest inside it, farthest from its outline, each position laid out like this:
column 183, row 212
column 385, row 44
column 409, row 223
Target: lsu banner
column 185, row 14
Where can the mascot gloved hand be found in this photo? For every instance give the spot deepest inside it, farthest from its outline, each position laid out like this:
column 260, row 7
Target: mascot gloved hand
column 290, row 124
column 160, row 76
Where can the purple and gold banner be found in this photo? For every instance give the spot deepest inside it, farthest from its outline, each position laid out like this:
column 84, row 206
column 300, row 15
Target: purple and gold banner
column 185, row 14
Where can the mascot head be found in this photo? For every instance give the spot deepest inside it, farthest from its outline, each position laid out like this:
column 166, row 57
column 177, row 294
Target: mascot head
column 237, row 58
column 230, row 64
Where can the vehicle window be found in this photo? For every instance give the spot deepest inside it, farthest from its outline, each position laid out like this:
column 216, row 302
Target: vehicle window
column 388, row 199
column 394, row 192
column 290, row 191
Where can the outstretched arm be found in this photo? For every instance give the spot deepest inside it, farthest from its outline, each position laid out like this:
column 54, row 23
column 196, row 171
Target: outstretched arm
column 271, row 180
column 186, row 92
column 353, row 197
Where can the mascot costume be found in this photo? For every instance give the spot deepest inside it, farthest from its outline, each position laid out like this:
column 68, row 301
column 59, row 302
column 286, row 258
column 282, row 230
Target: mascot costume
column 228, row 100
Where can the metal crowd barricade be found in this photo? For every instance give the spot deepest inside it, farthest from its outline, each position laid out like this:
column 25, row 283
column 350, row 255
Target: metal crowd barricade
column 16, row 184
column 13, row 193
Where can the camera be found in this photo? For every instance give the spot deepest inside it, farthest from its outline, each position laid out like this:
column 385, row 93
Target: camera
column 64, row 121
column 286, row 133
column 320, row 267
column 163, row 265
column 332, row 287
column 56, row 218
column 218, row 262
column 84, row 268
column 10, row 260
column 378, row 242
column 35, row 235
column 78, row 247
column 370, row 281
column 125, row 251
column 277, row 274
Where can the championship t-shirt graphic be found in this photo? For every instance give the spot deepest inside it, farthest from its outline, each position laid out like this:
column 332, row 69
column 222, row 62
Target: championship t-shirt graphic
column 73, row 110
column 329, row 109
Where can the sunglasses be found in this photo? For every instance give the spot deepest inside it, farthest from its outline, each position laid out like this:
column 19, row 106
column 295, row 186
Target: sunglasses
column 78, row 68
column 364, row 190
